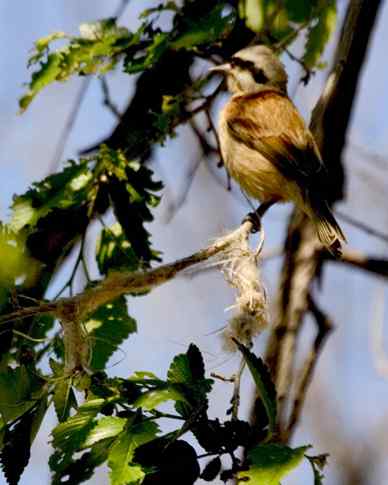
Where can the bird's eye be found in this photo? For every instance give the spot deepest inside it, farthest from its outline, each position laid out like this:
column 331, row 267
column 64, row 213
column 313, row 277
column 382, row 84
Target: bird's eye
column 259, row 75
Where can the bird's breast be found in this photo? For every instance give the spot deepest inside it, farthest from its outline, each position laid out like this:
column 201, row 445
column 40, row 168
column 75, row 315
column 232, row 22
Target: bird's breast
column 256, row 175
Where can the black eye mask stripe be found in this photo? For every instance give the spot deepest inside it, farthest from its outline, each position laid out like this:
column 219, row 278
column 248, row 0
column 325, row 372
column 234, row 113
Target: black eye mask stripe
column 257, row 73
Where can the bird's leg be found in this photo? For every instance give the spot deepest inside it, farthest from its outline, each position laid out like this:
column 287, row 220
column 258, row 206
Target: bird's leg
column 255, row 217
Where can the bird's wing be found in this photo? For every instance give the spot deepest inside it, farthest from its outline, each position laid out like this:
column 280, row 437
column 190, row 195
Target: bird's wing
column 268, row 122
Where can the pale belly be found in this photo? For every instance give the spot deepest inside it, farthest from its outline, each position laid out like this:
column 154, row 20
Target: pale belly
column 256, row 176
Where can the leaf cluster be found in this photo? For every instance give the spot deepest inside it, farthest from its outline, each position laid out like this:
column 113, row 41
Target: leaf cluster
column 118, row 424
column 118, row 420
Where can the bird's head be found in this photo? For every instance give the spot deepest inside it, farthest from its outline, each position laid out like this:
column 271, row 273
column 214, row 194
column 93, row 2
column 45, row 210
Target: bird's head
column 251, row 68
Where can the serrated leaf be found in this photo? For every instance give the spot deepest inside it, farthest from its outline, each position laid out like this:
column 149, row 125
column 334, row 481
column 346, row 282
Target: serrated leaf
column 49, row 71
column 187, row 373
column 17, row 441
column 106, row 427
column 62, row 190
column 187, row 367
column 114, row 251
column 18, row 263
column 64, row 398
column 131, row 190
column 107, row 328
column 212, row 469
column 156, row 49
column 214, row 26
column 152, row 399
column 264, row 384
column 319, row 35
column 16, row 444
column 179, row 370
column 96, row 50
column 16, row 388
column 74, row 471
column 70, row 435
column 268, row 464
column 122, row 472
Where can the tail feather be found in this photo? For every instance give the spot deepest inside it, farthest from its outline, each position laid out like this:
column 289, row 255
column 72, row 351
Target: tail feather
column 329, row 232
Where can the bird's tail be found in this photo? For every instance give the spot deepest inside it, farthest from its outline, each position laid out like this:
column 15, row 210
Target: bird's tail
column 329, row 232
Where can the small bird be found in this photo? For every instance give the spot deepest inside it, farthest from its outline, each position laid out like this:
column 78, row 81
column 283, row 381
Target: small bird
column 266, row 145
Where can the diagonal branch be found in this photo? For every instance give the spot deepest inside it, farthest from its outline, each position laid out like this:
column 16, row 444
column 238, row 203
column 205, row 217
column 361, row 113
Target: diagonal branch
column 371, row 264
column 324, row 327
column 304, row 257
column 120, row 283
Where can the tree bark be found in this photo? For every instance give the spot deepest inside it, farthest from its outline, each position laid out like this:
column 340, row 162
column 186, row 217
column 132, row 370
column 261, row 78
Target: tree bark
column 304, row 255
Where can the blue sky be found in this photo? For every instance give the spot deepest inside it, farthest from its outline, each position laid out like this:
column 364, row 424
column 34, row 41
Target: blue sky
column 192, row 308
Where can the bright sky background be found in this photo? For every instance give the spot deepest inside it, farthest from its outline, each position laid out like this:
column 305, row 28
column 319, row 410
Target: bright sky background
column 349, row 396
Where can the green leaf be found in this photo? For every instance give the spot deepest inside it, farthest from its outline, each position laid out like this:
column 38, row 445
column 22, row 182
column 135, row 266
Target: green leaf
column 265, row 386
column 187, row 368
column 16, row 390
column 69, row 471
column 152, row 399
column 253, row 11
column 49, row 71
column 18, row 439
column 18, row 263
column 214, row 26
column 299, row 11
column 106, row 427
column 268, row 464
column 70, row 435
column 156, row 49
column 187, row 373
column 63, row 396
column 121, row 454
column 69, row 188
column 114, row 251
column 96, row 50
column 131, row 190
column 107, row 328
column 319, row 35
column 42, row 44
column 144, row 376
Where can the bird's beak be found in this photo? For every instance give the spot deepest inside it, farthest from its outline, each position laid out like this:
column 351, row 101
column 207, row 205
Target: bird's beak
column 222, row 68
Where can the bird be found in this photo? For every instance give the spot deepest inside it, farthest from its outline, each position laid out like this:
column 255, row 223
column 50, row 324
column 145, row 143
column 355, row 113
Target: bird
column 266, row 146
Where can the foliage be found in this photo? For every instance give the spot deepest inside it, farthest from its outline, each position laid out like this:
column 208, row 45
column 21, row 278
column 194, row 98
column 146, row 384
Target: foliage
column 116, row 420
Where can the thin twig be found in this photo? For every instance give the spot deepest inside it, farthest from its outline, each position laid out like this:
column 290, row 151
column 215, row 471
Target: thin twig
column 107, row 100
column 221, row 378
column 362, row 226
column 72, row 117
column 307, row 71
column 68, row 127
column 235, row 401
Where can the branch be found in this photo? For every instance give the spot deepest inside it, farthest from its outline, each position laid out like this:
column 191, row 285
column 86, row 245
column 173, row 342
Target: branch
column 304, row 255
column 117, row 284
column 362, row 226
column 324, row 327
column 72, row 118
column 359, row 260
column 107, row 101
